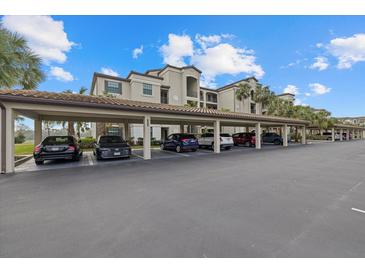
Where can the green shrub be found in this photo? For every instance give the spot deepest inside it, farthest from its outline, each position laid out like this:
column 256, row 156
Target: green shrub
column 87, row 142
column 19, row 138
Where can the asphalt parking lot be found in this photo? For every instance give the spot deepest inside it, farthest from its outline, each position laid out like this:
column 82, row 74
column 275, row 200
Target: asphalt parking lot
column 300, row 201
column 88, row 159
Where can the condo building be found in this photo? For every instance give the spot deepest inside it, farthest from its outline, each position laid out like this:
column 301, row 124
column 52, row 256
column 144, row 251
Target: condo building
column 175, row 86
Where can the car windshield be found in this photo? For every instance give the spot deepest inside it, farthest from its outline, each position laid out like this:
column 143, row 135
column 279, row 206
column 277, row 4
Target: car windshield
column 58, row 140
column 225, row 135
column 110, row 139
column 187, row 136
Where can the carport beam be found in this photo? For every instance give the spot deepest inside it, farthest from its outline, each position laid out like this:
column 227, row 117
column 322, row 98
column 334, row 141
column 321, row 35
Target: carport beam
column 304, row 137
column 258, row 135
column 9, row 140
column 341, row 135
column 285, row 135
column 147, row 138
column 217, row 140
column 37, row 131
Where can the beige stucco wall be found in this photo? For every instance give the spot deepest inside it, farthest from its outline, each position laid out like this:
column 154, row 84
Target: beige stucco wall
column 99, row 88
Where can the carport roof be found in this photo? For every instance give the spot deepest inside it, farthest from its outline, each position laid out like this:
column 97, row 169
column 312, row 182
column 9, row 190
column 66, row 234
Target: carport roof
column 69, row 99
column 340, row 126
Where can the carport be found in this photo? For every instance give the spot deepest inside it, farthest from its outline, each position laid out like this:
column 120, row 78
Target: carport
column 41, row 106
column 357, row 132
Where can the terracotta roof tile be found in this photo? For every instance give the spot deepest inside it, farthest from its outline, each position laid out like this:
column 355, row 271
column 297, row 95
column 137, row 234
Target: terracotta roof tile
column 97, row 101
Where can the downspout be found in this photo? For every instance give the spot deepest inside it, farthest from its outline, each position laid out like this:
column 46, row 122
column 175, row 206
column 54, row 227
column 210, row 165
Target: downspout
column 3, row 138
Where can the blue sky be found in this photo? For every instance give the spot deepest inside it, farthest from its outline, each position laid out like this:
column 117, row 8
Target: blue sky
column 320, row 58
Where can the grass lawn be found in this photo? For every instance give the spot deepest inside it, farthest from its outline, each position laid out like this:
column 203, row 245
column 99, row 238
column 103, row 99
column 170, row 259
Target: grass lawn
column 24, row 149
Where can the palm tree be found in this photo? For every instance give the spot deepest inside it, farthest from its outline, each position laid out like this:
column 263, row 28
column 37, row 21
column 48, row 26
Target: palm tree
column 19, row 66
column 70, row 124
column 82, row 126
column 243, row 92
column 262, row 95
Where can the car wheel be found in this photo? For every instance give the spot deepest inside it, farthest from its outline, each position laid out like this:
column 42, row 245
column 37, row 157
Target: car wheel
column 193, row 150
column 277, row 142
column 39, row 163
column 99, row 158
column 227, row 148
column 178, row 148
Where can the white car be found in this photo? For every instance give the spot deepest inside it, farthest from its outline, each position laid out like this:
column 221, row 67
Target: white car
column 206, row 140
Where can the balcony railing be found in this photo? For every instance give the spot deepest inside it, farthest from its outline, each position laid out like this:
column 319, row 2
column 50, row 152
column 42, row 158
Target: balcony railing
column 212, row 99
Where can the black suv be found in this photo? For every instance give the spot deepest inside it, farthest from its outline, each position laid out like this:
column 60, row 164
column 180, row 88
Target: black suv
column 57, row 147
column 110, row 146
column 273, row 138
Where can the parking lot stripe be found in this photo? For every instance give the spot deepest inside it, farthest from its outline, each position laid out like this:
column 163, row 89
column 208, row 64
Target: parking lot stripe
column 90, row 160
column 139, row 156
column 358, row 210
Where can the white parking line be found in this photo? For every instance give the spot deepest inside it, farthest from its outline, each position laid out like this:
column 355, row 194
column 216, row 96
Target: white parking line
column 358, row 210
column 90, row 160
column 139, row 156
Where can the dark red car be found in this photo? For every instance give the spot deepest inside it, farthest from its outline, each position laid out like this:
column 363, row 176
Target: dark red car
column 244, row 138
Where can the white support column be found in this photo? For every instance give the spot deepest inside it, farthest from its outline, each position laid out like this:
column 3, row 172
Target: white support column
column 9, row 140
column 147, row 138
column 285, row 135
column 217, row 137
column 258, row 135
column 341, row 135
column 37, row 131
column 304, row 137
column 347, row 135
column 2, row 140
column 333, row 134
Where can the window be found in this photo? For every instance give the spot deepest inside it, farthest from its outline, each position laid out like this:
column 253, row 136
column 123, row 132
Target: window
column 253, row 108
column 114, row 131
column 113, row 87
column 164, row 97
column 147, row 89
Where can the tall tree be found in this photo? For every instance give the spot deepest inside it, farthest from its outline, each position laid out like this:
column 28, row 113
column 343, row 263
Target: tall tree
column 82, row 126
column 243, row 92
column 70, row 124
column 19, row 66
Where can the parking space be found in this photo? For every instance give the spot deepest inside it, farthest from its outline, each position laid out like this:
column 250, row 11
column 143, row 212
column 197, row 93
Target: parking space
column 88, row 159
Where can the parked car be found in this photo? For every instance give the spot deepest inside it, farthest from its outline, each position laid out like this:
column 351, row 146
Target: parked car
column 327, row 135
column 273, row 138
column 57, row 147
column 207, row 140
column 244, row 138
column 109, row 147
column 180, row 142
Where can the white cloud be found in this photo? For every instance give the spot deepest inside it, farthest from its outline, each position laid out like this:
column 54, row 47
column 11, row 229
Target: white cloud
column 291, row 89
column 178, row 47
column 45, row 36
column 210, row 54
column 321, row 63
column 225, row 59
column 307, row 94
column 348, row 50
column 109, row 71
column 137, row 52
column 319, row 89
column 298, row 102
column 61, row 75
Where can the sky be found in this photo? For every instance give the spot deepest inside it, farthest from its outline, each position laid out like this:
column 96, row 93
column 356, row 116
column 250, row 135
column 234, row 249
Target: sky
column 321, row 59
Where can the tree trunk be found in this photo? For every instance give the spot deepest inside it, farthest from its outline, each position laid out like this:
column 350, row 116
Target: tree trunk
column 71, row 128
